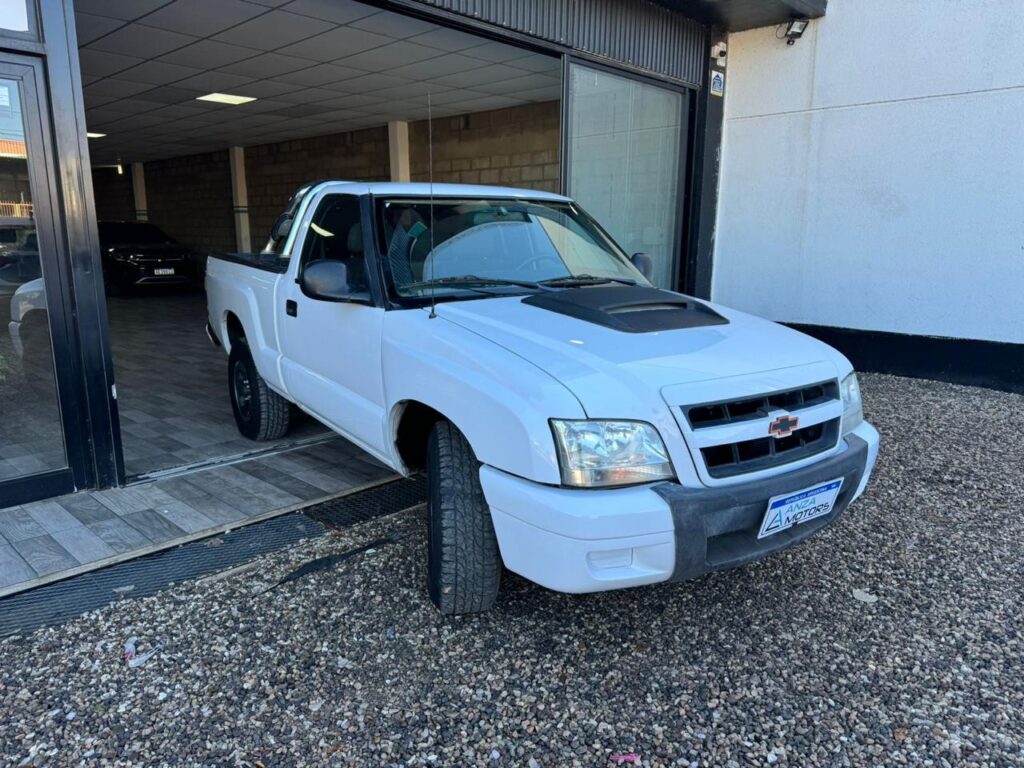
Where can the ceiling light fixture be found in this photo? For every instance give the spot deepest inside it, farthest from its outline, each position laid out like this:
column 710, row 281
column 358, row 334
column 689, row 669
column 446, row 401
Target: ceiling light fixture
column 226, row 98
column 91, row 135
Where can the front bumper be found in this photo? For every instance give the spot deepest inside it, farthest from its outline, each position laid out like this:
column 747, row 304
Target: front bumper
column 574, row 540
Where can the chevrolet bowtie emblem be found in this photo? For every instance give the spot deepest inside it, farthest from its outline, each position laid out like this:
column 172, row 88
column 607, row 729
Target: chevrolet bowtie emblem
column 783, row 426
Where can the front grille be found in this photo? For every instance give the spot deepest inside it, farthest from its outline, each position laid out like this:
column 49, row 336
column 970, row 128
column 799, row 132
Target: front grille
column 732, row 411
column 745, row 456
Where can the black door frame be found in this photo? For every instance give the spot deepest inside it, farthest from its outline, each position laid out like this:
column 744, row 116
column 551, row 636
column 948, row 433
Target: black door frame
column 69, row 252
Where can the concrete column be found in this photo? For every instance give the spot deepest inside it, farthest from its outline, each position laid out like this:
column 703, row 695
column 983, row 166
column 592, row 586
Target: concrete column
column 139, row 190
column 240, row 199
column 398, row 145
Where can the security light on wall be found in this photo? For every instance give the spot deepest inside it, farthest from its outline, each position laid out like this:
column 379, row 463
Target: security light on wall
column 226, row 98
column 795, row 30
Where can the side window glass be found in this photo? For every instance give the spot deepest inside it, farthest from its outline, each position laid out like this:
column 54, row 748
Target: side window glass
column 335, row 231
column 336, row 234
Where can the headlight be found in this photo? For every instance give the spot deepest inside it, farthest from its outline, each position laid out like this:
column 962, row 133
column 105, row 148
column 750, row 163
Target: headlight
column 853, row 412
column 605, row 453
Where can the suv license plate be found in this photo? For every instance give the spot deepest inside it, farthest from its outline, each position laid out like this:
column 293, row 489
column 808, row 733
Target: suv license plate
column 791, row 509
column 160, row 271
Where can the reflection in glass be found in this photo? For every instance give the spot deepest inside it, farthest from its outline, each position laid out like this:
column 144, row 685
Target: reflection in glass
column 14, row 15
column 31, row 438
column 624, row 150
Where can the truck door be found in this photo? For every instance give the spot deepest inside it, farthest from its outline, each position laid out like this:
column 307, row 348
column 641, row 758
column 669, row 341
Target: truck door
column 330, row 351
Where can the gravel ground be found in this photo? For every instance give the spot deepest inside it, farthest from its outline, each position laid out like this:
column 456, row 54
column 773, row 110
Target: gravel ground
column 776, row 663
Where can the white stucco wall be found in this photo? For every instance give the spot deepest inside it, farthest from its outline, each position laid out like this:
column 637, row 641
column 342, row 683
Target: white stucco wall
column 873, row 173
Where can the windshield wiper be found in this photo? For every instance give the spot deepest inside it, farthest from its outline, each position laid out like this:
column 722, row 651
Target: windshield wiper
column 469, row 281
column 570, row 281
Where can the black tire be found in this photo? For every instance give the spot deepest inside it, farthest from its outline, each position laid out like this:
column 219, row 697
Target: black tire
column 260, row 413
column 463, row 561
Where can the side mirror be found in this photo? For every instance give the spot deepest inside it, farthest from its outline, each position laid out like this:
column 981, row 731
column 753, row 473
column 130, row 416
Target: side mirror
column 281, row 227
column 644, row 263
column 327, row 280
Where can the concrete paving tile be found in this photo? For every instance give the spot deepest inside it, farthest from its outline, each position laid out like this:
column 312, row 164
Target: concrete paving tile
column 52, row 516
column 154, row 527
column 119, row 536
column 84, row 545
column 17, row 524
column 45, row 555
column 13, row 568
column 185, row 517
column 85, row 508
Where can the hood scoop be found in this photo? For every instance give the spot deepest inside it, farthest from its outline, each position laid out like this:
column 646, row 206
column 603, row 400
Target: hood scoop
column 630, row 309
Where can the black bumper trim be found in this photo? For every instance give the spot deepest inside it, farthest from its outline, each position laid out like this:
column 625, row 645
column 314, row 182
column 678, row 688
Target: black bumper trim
column 716, row 528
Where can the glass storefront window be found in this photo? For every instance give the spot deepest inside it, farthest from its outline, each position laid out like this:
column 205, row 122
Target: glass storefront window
column 31, row 437
column 14, row 15
column 624, row 159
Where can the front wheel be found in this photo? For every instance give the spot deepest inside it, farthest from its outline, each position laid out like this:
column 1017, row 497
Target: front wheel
column 464, row 564
column 260, row 413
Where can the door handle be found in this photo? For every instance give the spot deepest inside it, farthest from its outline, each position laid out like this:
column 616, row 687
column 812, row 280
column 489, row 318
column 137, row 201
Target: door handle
column 291, row 308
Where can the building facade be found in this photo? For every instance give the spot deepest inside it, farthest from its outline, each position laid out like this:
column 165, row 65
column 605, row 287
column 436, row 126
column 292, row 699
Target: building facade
column 860, row 182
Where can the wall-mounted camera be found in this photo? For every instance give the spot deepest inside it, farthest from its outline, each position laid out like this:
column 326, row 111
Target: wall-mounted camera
column 718, row 52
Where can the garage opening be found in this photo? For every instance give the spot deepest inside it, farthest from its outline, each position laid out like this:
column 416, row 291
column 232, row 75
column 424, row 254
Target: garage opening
column 204, row 116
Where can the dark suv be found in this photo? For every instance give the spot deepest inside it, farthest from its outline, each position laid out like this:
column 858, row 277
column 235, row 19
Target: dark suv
column 136, row 253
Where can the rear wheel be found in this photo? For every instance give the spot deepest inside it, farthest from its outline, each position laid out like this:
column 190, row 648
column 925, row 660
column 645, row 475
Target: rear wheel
column 464, row 564
column 260, row 413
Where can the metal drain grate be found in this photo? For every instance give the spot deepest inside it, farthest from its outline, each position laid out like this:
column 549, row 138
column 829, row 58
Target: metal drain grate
column 56, row 603
column 373, row 502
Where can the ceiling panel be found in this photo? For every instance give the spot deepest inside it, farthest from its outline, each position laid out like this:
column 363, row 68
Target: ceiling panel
column 273, row 30
column 158, row 72
column 300, row 95
column 112, row 86
column 488, row 73
column 337, row 11
column 119, row 9
column 266, row 65
column 447, row 39
column 221, row 82
column 267, row 89
column 320, row 74
column 336, row 44
column 497, row 52
column 138, row 40
column 447, row 64
column 89, row 27
column 394, row 25
column 208, row 54
column 168, row 94
column 101, row 63
column 202, row 18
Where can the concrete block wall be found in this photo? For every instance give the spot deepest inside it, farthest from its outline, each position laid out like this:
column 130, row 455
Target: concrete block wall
column 515, row 147
column 115, row 200
column 190, row 199
column 275, row 171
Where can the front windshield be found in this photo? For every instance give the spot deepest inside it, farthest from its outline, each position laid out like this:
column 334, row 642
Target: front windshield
column 514, row 242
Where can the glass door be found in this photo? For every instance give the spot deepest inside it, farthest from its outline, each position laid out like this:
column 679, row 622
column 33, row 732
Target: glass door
column 37, row 366
column 624, row 159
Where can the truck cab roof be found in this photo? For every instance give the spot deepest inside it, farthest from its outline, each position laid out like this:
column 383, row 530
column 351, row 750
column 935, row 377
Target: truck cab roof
column 425, row 189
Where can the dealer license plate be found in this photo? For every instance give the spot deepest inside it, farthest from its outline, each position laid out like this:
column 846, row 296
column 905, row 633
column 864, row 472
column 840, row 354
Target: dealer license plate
column 161, row 271
column 791, row 509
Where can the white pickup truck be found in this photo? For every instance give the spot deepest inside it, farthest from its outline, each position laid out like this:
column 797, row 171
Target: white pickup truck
column 577, row 425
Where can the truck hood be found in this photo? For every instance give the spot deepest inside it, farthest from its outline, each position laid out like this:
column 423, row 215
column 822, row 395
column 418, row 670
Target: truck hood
column 609, row 369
